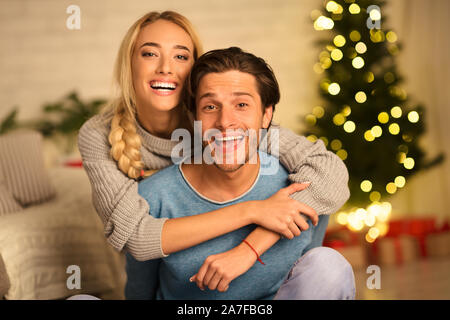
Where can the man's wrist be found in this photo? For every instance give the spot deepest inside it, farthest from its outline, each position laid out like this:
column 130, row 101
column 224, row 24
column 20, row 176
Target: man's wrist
column 247, row 252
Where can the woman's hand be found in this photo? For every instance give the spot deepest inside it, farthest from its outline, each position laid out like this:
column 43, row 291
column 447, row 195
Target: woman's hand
column 281, row 214
column 219, row 270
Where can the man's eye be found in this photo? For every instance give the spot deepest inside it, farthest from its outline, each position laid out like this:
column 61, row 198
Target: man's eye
column 182, row 57
column 242, row 105
column 210, row 107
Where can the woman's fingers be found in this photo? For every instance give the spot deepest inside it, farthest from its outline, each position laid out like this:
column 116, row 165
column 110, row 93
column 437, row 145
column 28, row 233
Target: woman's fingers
column 310, row 212
column 288, row 234
column 301, row 223
column 294, row 229
column 295, row 187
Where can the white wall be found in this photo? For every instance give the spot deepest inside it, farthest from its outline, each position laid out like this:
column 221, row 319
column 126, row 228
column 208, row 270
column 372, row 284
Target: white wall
column 422, row 28
column 41, row 60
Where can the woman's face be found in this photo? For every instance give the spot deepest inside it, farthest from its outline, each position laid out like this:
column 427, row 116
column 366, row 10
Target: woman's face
column 163, row 56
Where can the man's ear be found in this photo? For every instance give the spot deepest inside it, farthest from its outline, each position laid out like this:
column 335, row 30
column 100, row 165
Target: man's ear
column 267, row 116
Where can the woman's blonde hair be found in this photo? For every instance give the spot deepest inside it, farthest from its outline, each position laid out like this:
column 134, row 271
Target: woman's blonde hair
column 121, row 112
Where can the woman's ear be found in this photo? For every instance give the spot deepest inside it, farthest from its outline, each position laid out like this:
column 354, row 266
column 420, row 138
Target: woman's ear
column 267, row 116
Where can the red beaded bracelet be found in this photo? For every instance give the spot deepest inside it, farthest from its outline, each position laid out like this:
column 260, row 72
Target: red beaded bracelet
column 257, row 255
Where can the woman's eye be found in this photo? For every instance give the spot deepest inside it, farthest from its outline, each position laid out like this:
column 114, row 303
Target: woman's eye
column 148, row 54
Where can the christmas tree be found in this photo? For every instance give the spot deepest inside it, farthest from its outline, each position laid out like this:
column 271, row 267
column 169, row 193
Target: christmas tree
column 366, row 117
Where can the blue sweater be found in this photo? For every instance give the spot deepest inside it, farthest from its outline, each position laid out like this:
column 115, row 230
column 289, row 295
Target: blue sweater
column 171, row 196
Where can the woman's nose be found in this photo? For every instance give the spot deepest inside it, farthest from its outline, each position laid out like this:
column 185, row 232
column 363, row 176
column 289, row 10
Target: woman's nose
column 164, row 66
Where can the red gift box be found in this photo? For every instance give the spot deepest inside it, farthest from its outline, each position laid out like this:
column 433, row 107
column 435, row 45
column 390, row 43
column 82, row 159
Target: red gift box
column 349, row 244
column 418, row 228
column 73, row 163
column 407, row 239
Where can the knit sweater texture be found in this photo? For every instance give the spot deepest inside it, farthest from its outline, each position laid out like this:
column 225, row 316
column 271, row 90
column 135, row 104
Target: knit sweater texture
column 125, row 214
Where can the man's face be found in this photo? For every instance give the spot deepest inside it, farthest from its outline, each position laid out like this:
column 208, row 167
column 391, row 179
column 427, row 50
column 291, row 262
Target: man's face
column 229, row 105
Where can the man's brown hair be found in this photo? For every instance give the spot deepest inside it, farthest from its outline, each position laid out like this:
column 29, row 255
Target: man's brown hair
column 233, row 58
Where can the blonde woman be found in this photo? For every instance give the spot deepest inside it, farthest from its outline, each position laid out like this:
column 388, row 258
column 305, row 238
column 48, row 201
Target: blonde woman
column 132, row 137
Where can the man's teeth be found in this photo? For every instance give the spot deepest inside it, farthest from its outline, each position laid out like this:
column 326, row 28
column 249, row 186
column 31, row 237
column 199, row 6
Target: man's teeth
column 229, row 138
column 163, row 85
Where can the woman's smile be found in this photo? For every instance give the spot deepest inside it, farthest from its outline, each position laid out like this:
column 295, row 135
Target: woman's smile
column 163, row 87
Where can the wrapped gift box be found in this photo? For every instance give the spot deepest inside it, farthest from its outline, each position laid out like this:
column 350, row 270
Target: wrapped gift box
column 397, row 250
column 349, row 244
column 355, row 255
column 438, row 245
column 411, row 239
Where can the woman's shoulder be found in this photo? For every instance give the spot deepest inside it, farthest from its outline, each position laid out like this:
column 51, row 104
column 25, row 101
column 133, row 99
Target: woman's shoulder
column 93, row 136
column 98, row 124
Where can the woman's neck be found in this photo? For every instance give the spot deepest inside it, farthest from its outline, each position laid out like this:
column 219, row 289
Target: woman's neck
column 161, row 123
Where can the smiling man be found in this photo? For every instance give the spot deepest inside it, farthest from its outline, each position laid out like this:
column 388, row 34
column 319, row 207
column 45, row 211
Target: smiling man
column 233, row 94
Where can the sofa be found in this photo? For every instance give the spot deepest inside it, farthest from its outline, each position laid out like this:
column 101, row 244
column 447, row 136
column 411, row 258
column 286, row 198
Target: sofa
column 50, row 229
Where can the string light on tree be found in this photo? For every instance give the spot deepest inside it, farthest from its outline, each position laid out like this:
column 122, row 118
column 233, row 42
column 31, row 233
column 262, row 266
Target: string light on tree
column 360, row 97
column 354, row 8
column 365, row 116
column 358, row 62
column 360, row 47
column 334, row 88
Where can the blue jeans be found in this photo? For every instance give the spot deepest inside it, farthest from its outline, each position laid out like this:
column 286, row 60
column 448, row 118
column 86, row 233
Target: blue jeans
column 320, row 274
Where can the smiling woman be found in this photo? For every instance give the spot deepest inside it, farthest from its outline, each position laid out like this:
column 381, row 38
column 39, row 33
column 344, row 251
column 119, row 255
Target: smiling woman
column 159, row 68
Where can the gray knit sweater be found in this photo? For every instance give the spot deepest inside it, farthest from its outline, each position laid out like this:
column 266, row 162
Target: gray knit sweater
column 125, row 214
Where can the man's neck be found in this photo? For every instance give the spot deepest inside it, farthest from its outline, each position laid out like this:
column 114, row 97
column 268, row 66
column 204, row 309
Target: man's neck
column 219, row 185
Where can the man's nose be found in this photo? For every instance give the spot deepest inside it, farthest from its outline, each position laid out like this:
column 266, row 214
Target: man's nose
column 226, row 119
column 165, row 65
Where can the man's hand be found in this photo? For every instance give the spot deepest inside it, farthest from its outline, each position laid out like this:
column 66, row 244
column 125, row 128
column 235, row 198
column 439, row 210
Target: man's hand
column 219, row 270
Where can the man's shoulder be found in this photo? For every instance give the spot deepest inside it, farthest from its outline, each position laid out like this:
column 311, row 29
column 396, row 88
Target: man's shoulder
column 271, row 166
column 161, row 181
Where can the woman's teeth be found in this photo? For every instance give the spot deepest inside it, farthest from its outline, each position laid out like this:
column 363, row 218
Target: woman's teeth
column 163, row 85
